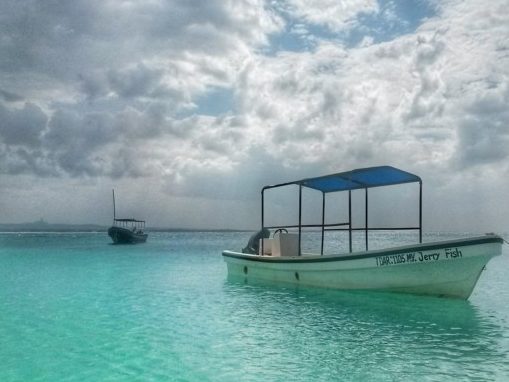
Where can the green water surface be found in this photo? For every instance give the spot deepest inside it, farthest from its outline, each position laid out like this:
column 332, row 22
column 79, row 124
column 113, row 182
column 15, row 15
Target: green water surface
column 75, row 308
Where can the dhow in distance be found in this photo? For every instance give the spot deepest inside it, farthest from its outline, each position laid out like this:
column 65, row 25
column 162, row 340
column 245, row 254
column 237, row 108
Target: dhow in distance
column 126, row 231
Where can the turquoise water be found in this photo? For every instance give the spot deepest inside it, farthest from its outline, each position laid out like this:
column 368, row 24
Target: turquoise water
column 74, row 308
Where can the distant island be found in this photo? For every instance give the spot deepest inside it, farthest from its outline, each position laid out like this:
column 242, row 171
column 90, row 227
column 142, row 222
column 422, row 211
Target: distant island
column 42, row 226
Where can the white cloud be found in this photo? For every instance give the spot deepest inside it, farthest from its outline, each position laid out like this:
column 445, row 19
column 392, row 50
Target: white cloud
column 123, row 48
column 400, row 101
column 113, row 94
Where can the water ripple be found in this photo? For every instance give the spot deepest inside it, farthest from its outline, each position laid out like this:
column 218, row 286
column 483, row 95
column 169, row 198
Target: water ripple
column 76, row 309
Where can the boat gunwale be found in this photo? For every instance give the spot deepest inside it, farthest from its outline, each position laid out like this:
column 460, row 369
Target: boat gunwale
column 487, row 239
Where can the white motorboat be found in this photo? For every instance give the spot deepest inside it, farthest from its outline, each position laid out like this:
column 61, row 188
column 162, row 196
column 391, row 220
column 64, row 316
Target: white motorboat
column 446, row 268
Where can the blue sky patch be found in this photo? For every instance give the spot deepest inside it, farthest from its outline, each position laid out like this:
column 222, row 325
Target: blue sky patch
column 394, row 19
column 214, row 102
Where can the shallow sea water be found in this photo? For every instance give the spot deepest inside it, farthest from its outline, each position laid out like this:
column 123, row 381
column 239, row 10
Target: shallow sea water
column 75, row 308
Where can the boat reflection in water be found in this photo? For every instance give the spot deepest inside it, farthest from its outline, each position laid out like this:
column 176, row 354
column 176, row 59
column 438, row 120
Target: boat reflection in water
column 368, row 335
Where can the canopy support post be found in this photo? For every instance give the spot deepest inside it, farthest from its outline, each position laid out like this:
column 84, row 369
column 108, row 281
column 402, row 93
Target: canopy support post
column 263, row 191
column 420, row 211
column 323, row 221
column 114, row 210
column 350, row 219
column 300, row 216
column 366, row 227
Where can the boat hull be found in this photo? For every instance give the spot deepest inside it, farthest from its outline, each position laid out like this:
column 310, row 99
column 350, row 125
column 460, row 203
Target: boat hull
column 121, row 235
column 449, row 268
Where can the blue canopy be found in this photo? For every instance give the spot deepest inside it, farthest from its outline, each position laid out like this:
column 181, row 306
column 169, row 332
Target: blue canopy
column 357, row 179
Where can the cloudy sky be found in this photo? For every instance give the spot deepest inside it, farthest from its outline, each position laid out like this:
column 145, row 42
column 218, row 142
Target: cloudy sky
column 188, row 107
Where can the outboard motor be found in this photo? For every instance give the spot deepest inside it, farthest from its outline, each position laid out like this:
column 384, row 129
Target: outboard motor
column 253, row 243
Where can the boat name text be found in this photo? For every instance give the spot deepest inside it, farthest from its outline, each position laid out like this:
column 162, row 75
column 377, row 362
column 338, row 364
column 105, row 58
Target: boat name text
column 418, row 257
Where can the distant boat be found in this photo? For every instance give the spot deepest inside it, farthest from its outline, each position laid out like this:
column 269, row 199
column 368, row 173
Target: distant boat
column 126, row 231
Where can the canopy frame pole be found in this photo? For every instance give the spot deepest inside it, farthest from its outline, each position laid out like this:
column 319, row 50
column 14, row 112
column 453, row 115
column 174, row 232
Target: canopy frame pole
column 263, row 191
column 420, row 211
column 323, row 221
column 366, row 226
column 114, row 210
column 300, row 217
column 350, row 220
